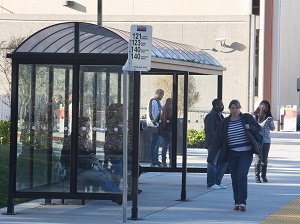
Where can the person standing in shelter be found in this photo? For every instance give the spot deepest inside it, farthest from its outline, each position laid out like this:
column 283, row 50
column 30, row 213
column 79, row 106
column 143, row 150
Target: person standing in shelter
column 215, row 171
column 235, row 137
column 263, row 116
column 153, row 121
column 166, row 131
column 57, row 103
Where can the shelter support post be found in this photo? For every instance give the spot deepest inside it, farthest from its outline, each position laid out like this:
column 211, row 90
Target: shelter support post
column 184, row 142
column 136, row 144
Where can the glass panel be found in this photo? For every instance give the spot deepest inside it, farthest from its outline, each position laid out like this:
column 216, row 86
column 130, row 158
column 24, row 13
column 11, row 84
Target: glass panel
column 41, row 98
column 180, row 106
column 100, row 140
column 202, row 91
column 156, row 133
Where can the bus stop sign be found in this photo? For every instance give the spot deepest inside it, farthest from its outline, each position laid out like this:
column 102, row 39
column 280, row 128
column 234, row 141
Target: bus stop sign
column 139, row 48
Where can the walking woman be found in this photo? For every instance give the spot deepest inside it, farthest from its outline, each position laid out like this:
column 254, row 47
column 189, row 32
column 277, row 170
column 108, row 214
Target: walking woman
column 263, row 116
column 234, row 136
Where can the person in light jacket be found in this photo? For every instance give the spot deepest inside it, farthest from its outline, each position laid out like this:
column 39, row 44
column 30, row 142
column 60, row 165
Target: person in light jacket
column 234, row 136
column 154, row 109
column 263, row 116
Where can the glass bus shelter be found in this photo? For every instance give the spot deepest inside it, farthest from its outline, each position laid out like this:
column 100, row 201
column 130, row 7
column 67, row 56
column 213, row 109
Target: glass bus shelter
column 71, row 71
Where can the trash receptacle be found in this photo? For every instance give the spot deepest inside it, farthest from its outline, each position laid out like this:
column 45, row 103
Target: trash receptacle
column 145, row 141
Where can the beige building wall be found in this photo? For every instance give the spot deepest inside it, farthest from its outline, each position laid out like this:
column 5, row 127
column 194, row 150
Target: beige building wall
column 286, row 54
column 200, row 32
column 194, row 22
column 128, row 7
column 178, row 21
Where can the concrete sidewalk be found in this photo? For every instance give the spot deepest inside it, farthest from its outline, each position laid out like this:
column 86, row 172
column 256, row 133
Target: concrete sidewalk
column 159, row 201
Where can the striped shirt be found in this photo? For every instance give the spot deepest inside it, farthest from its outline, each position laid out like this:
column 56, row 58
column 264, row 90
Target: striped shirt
column 237, row 138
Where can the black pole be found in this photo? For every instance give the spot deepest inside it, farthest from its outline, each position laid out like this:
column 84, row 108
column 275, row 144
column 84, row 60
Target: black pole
column 99, row 13
column 50, row 129
column 74, row 128
column 135, row 143
column 13, row 138
column 184, row 137
column 220, row 86
column 67, row 101
column 119, row 86
column 107, row 90
column 94, row 118
column 174, row 121
column 32, row 123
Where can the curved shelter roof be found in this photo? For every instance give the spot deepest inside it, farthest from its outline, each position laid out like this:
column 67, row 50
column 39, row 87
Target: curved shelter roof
column 75, row 38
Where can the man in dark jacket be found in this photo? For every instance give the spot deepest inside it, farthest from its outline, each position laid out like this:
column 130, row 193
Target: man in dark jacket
column 215, row 172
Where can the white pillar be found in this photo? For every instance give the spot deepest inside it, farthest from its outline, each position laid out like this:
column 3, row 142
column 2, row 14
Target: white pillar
column 276, row 61
column 261, row 52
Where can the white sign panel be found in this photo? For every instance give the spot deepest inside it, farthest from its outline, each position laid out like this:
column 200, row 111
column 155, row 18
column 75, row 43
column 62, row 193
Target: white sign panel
column 139, row 48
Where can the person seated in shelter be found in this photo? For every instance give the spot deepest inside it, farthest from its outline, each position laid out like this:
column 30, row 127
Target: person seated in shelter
column 113, row 146
column 89, row 168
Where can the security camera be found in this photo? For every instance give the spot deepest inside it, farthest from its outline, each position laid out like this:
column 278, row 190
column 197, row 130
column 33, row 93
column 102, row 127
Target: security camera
column 221, row 39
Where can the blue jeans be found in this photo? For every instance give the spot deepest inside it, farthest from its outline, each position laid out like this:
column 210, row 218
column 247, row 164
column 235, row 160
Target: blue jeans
column 117, row 169
column 155, row 142
column 166, row 144
column 264, row 154
column 215, row 172
column 98, row 178
column 239, row 164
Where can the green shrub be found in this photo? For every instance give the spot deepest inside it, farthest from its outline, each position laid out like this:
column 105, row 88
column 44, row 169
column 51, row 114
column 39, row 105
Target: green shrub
column 4, row 164
column 4, row 161
column 4, row 132
column 39, row 161
column 195, row 139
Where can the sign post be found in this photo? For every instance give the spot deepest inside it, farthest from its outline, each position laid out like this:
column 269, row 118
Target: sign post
column 139, row 59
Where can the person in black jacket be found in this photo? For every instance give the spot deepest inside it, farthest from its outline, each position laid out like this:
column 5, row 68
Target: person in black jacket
column 234, row 136
column 215, row 172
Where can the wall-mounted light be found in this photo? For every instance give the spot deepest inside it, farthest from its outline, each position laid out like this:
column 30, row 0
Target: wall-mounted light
column 68, row 3
column 221, row 40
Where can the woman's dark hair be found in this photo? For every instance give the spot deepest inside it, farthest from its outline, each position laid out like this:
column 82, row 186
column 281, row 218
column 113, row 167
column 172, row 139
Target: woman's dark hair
column 167, row 114
column 263, row 111
column 168, row 106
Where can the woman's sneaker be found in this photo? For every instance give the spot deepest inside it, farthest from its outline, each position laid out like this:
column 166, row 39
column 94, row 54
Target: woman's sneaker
column 242, row 207
column 236, row 207
column 222, row 186
column 215, row 187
